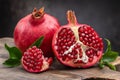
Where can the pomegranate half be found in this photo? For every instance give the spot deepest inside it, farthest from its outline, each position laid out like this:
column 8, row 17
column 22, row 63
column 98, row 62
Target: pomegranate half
column 32, row 27
column 77, row 45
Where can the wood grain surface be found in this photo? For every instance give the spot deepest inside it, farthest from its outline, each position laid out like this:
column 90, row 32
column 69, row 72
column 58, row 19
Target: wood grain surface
column 56, row 72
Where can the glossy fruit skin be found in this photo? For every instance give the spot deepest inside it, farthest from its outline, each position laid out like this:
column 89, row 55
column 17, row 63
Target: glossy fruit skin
column 29, row 29
column 61, row 48
column 34, row 61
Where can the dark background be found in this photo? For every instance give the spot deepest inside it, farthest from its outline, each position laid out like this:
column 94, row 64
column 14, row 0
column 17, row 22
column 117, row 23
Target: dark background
column 102, row 15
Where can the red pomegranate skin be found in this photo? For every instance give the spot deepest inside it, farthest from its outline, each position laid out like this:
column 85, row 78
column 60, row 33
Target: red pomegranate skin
column 29, row 29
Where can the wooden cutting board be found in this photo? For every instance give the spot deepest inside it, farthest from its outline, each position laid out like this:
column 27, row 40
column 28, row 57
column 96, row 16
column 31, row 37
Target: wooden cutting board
column 56, row 72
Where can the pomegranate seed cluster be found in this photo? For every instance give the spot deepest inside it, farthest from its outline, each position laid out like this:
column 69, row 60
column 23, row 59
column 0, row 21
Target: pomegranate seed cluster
column 91, row 53
column 32, row 59
column 82, row 50
column 73, row 53
column 90, row 38
column 65, row 39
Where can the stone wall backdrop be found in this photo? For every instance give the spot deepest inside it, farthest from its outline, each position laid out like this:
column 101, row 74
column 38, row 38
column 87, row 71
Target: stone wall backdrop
column 102, row 15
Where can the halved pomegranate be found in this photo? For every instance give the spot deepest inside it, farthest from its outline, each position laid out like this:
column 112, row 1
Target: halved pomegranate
column 77, row 45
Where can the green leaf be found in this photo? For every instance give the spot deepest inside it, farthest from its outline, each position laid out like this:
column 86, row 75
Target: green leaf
column 110, row 66
column 14, row 52
column 14, row 56
column 108, row 46
column 38, row 42
column 12, row 62
column 101, row 64
column 110, row 56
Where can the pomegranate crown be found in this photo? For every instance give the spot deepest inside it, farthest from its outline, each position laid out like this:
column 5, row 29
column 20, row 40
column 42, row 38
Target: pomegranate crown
column 71, row 17
column 38, row 13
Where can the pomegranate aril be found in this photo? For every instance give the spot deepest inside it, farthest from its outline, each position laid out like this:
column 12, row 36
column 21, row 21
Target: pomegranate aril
column 61, row 44
column 69, row 31
column 72, row 38
column 66, row 44
column 69, row 43
column 91, row 50
column 60, row 34
column 86, row 32
column 88, row 53
column 64, row 40
column 87, row 35
column 39, row 63
column 81, row 38
column 98, row 54
column 78, row 61
column 93, row 34
column 101, row 44
column 94, row 42
column 90, row 35
column 62, row 31
column 31, row 61
column 93, row 37
column 84, row 27
column 83, row 34
column 38, row 67
column 90, row 40
column 91, row 56
column 63, row 47
column 30, row 65
column 95, row 46
column 85, row 39
column 81, row 29
column 68, row 39
column 90, row 59
column 98, row 44
column 89, row 31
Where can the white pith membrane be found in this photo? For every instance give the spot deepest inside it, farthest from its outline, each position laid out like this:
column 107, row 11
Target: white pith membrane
column 81, row 48
column 84, row 57
column 45, row 64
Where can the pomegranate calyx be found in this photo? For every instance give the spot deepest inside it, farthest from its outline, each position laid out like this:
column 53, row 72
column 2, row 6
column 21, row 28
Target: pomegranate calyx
column 37, row 14
column 71, row 17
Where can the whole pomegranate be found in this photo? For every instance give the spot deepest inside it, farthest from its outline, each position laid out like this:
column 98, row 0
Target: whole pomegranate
column 33, row 26
column 77, row 45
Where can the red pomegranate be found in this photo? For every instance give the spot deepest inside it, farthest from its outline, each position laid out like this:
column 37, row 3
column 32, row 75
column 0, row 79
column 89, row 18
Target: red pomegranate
column 77, row 45
column 33, row 26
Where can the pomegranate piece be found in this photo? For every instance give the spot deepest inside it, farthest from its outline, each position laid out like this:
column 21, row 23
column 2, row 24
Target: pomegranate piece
column 34, row 61
column 32, row 27
column 77, row 45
